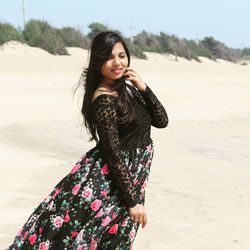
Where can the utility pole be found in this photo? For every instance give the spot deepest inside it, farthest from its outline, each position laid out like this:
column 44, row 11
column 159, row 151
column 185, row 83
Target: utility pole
column 131, row 27
column 24, row 14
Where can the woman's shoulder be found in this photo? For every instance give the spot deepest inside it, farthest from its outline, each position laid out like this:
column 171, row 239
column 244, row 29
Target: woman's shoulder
column 103, row 97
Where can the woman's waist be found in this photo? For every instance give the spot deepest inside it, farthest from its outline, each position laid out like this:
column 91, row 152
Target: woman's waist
column 135, row 142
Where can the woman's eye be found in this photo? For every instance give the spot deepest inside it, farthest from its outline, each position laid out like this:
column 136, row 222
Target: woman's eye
column 111, row 57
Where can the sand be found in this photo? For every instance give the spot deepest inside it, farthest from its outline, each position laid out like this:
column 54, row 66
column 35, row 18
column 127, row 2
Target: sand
column 198, row 193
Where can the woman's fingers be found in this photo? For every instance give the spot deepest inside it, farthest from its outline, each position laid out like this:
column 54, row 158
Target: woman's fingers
column 129, row 73
column 141, row 219
column 145, row 220
column 138, row 214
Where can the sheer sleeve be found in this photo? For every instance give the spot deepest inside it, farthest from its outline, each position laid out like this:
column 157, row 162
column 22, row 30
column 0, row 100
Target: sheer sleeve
column 159, row 117
column 105, row 113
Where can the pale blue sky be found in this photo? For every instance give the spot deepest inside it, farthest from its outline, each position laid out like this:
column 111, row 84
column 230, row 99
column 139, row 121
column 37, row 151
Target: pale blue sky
column 225, row 20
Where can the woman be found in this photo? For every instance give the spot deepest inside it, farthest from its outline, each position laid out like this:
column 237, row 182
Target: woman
column 100, row 203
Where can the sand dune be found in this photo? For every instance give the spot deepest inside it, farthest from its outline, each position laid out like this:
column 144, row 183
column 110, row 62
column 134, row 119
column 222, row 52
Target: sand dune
column 198, row 193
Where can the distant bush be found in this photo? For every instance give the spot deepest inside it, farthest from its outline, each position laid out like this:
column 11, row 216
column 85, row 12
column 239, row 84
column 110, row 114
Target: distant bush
column 73, row 37
column 134, row 49
column 170, row 44
column 96, row 28
column 40, row 34
column 147, row 42
column 243, row 63
column 167, row 43
column 219, row 50
column 245, row 54
column 8, row 32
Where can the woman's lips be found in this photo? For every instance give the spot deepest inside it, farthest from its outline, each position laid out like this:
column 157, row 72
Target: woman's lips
column 117, row 71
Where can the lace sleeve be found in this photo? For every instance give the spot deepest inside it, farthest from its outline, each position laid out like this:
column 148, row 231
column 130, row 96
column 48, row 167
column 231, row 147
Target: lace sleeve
column 159, row 117
column 105, row 113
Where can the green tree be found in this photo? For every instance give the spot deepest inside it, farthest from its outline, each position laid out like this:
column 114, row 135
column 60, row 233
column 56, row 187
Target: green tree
column 219, row 49
column 73, row 37
column 40, row 34
column 96, row 28
column 246, row 52
column 134, row 49
column 147, row 42
column 8, row 32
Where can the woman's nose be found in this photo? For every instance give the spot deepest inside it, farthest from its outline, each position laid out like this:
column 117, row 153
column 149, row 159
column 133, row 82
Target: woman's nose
column 116, row 61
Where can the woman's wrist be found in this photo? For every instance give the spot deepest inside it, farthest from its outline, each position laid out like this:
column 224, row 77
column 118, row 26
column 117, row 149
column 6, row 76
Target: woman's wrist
column 142, row 87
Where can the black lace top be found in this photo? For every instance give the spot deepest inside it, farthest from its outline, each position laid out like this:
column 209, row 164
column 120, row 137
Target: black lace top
column 114, row 137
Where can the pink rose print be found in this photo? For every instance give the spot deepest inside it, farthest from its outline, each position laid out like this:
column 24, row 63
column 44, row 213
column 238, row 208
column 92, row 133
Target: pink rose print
column 56, row 192
column 58, row 221
column 113, row 215
column 66, row 217
column 87, row 160
column 93, row 244
column 43, row 246
column 144, row 185
column 80, row 235
column 40, row 230
column 132, row 235
column 105, row 169
column 113, row 229
column 135, row 182
column 74, row 234
column 99, row 214
column 87, row 193
column 33, row 226
column 20, row 231
column 50, row 205
column 104, row 193
column 25, row 235
column 76, row 189
column 75, row 168
column 80, row 247
column 47, row 199
column 32, row 239
column 124, row 223
column 95, row 205
column 106, row 221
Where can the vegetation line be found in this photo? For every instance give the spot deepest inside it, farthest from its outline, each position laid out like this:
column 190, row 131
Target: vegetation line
column 39, row 33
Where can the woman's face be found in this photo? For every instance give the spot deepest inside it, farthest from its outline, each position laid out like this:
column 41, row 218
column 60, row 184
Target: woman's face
column 116, row 65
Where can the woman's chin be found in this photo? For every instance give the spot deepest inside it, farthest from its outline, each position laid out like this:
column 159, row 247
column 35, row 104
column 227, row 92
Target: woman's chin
column 117, row 77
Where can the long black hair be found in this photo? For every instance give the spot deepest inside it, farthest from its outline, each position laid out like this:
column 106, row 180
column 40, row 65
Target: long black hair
column 100, row 51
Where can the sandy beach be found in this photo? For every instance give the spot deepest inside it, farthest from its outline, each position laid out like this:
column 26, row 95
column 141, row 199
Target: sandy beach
column 198, row 193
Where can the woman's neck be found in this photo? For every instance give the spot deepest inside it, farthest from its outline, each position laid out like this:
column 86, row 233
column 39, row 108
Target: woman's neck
column 106, row 86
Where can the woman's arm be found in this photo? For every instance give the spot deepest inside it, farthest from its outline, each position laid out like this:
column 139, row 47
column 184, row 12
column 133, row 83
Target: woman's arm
column 159, row 117
column 105, row 113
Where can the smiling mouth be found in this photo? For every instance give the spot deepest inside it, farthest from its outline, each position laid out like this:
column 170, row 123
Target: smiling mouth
column 117, row 71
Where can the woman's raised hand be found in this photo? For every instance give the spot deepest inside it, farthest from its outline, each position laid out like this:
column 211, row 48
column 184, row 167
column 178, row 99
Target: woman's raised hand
column 134, row 78
column 138, row 214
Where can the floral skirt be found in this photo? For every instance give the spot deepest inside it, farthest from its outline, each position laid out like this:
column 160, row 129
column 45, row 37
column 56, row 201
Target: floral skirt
column 84, row 210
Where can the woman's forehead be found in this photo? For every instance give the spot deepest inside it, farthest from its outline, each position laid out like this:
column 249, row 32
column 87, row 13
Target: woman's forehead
column 118, row 48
